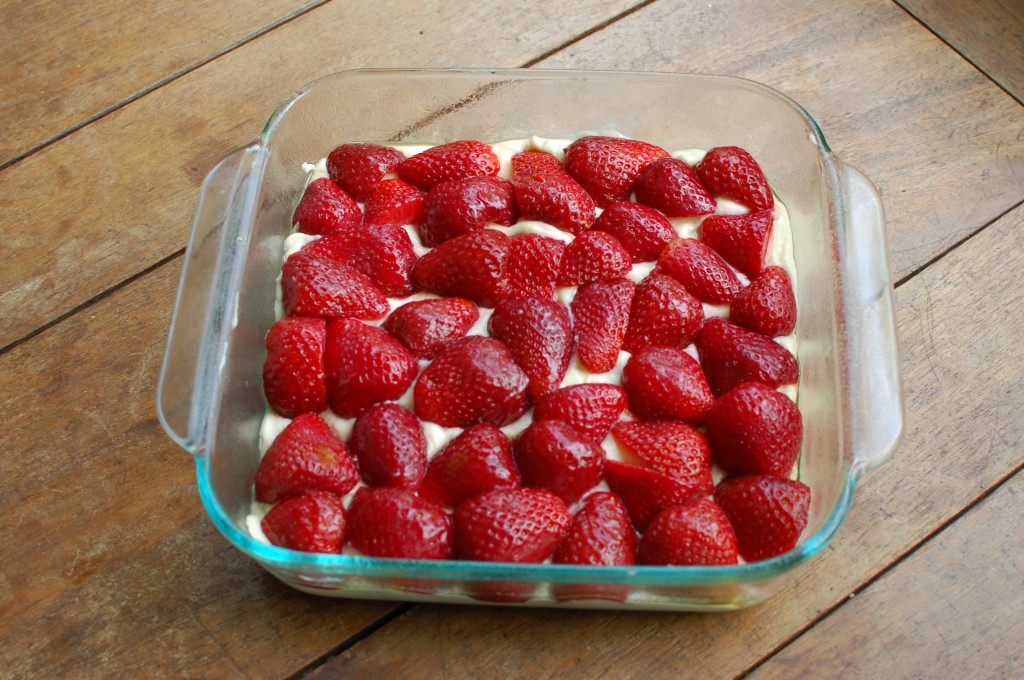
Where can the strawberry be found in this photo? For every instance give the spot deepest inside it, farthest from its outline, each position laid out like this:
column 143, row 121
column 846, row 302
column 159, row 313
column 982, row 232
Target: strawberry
column 472, row 266
column 697, row 533
column 394, row 202
column 552, row 455
column 358, row 167
column 388, row 522
column 671, row 448
column 593, row 256
column 533, row 265
column 510, row 525
column 546, row 193
column 390, row 447
column 643, row 231
column 293, row 373
column 767, row 513
column 426, row 326
column 704, row 273
column 313, row 284
column 767, row 305
column 607, row 167
column 731, row 172
column 365, row 366
column 663, row 313
column 473, row 380
column 383, row 253
column 755, row 430
column 465, row 205
column 666, row 383
column 479, row 459
column 600, row 534
column 600, row 313
column 535, row 163
column 731, row 355
column 646, row 492
column 310, row 522
column 672, row 186
column 741, row 240
column 539, row 335
column 306, row 456
column 591, row 408
column 448, row 162
column 325, row 208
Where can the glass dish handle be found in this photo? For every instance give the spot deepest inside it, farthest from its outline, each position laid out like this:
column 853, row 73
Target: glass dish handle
column 202, row 316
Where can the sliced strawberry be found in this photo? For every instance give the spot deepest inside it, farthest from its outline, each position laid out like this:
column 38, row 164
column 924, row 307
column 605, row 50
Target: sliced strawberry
column 704, row 273
column 672, row 186
column 426, row 326
column 643, row 231
column 546, row 193
column 461, row 206
column 473, row 380
column 358, row 167
column 663, row 313
column 591, row 408
column 697, row 533
column 306, row 456
column 645, row 492
column 607, row 167
column 731, row 172
column 666, row 383
column 325, row 208
column 390, row 447
column 313, row 284
column 539, row 335
column 394, row 202
column 731, row 354
column 552, row 455
column 310, row 522
column 510, row 525
column 472, row 266
column 767, row 305
column 533, row 265
column 755, row 430
column 742, row 240
column 600, row 313
column 767, row 513
column 447, row 162
column 383, row 253
column 365, row 366
column 479, row 459
column 593, row 256
column 293, row 373
column 389, row 522
column 601, row 534
column 670, row 447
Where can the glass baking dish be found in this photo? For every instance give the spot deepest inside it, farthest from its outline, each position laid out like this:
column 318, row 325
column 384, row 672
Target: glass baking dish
column 211, row 402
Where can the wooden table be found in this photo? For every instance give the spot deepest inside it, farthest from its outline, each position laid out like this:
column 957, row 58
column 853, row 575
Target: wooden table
column 112, row 112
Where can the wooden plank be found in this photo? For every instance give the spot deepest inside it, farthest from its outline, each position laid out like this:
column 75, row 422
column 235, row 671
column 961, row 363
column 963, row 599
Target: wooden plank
column 953, row 609
column 117, row 196
column 65, row 63
column 965, row 404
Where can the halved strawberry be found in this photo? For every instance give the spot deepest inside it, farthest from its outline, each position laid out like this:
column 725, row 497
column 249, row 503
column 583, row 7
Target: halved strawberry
column 546, row 193
column 731, row 172
column 394, row 202
column 472, row 266
column 755, row 430
column 666, row 383
column 479, row 459
column 293, row 373
column 663, row 313
column 768, row 514
column 704, row 273
column 646, row 492
column 672, row 186
column 601, row 533
column 390, row 447
column 447, row 162
column 607, row 167
column 325, row 208
column 533, row 265
column 670, row 447
column 697, row 533
column 731, row 354
column 358, row 167
column 425, row 326
column 310, row 522
column 365, row 366
column 387, row 522
column 539, row 335
column 767, row 305
column 593, row 256
column 306, row 456
column 383, row 253
column 552, row 455
column 510, row 525
column 742, row 240
column 600, row 313
column 591, row 408
column 643, row 231
column 461, row 206
column 313, row 284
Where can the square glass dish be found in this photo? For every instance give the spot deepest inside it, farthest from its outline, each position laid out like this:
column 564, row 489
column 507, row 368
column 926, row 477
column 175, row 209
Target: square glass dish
column 210, row 398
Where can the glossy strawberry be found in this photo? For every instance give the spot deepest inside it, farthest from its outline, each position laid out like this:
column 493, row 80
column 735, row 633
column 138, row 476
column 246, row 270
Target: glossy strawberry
column 670, row 447
column 479, row 459
column 666, row 383
column 383, row 253
column 593, row 256
column 731, row 354
column 767, row 305
column 704, row 273
column 552, row 455
column 600, row 313
column 535, row 163
column 388, row 522
column 741, row 240
column 591, row 408
column 448, row 162
column 510, row 525
column 697, row 533
column 310, row 522
column 768, row 514
column 600, row 534
column 313, row 284
column 365, row 366
column 546, row 193
column 539, row 335
column 388, row 443
column 533, row 265
column 672, row 186
column 607, row 167
column 643, row 231
column 358, row 167
column 293, row 373
column 306, row 456
column 325, row 208
column 663, row 313
column 755, row 430
column 731, row 172
column 394, row 202
column 426, row 326
column 473, row 266
column 646, row 492
column 461, row 206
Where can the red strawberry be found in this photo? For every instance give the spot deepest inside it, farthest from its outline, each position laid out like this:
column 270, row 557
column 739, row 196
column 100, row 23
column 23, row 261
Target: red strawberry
column 311, row 522
column 742, row 240
column 447, row 162
column 767, row 305
column 472, row 266
column 510, row 525
column 670, row 447
column 643, row 231
column 539, row 335
column 390, row 447
column 646, row 492
column 394, row 202
column 704, row 273
column 454, row 208
column 533, row 265
column 697, row 533
column 306, row 456
column 358, row 167
column 755, row 430
column 425, row 326
column 479, row 459
column 666, row 383
column 591, row 408
column 672, row 186
column 731, row 172
column 388, row 522
column 600, row 534
column 313, row 284
column 546, row 193
column 293, row 374
column 662, row 313
column 607, row 167
column 473, row 380
column 767, row 513
column 552, row 455
column 365, row 366
column 600, row 313
column 730, row 355
column 593, row 256
column 535, row 163
column 383, row 253
column 325, row 208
